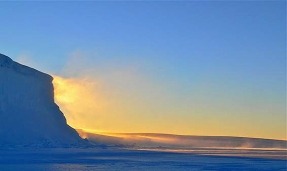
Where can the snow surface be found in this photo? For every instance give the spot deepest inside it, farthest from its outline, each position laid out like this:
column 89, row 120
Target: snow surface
column 28, row 113
column 128, row 160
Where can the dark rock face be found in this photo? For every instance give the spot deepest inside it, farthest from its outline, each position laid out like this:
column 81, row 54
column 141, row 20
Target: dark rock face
column 28, row 113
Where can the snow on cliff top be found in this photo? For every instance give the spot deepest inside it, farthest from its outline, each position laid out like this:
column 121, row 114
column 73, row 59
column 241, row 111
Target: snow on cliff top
column 28, row 113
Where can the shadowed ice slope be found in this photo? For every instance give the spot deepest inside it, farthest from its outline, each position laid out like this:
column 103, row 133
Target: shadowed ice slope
column 28, row 113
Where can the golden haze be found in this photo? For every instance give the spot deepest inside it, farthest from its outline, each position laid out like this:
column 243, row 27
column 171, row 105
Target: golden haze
column 88, row 105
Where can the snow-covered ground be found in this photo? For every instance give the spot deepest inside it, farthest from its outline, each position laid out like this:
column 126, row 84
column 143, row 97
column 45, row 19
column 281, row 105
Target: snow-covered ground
column 119, row 159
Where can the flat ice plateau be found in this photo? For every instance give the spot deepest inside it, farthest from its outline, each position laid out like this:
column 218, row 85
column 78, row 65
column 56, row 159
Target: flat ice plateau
column 62, row 159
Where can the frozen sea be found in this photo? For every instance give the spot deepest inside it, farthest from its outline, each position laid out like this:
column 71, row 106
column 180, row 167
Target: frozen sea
column 115, row 159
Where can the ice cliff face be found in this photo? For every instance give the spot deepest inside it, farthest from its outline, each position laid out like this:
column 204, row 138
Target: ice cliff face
column 28, row 113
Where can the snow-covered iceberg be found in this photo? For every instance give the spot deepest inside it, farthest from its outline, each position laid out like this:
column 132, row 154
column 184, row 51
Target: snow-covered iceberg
column 28, row 113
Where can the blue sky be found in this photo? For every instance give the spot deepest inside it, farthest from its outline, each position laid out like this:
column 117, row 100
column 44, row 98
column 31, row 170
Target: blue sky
column 215, row 59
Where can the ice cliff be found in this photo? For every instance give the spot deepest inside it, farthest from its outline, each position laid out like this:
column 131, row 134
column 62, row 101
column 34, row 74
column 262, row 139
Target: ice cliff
column 28, row 113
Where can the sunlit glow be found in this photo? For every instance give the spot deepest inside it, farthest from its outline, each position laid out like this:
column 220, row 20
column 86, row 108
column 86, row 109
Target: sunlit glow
column 99, row 105
column 140, row 137
column 78, row 100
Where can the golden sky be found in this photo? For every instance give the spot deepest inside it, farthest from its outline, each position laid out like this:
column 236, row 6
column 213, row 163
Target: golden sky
column 88, row 105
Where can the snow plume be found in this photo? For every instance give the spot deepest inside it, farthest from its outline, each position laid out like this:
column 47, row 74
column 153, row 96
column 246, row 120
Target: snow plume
column 96, row 93
column 91, row 89
column 79, row 91
column 187, row 142
column 78, row 99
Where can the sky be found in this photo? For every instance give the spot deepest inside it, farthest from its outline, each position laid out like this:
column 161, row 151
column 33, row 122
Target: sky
column 188, row 67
